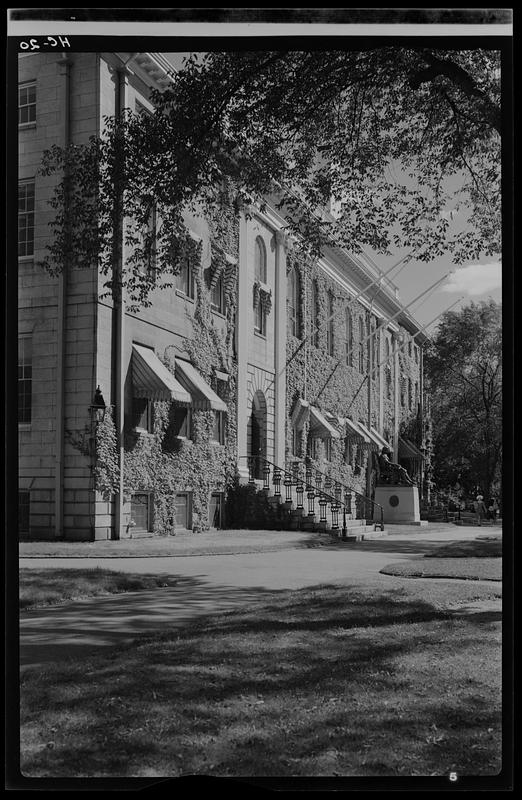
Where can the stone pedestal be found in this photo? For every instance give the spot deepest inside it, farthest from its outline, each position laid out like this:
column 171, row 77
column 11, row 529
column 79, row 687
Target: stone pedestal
column 400, row 504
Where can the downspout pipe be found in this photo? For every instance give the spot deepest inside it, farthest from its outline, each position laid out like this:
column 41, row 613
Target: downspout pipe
column 64, row 65
column 121, row 79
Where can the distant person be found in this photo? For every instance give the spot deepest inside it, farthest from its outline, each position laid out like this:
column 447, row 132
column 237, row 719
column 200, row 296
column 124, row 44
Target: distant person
column 480, row 509
column 493, row 509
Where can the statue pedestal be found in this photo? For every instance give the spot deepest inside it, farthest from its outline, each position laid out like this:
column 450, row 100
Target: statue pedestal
column 400, row 504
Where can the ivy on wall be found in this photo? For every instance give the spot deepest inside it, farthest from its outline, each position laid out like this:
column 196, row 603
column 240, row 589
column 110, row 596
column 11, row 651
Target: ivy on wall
column 164, row 463
column 106, row 467
column 327, row 382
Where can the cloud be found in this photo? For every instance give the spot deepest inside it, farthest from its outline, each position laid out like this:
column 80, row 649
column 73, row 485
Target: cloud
column 475, row 279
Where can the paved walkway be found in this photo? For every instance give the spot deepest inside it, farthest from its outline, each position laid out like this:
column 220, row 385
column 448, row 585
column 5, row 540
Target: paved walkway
column 210, row 584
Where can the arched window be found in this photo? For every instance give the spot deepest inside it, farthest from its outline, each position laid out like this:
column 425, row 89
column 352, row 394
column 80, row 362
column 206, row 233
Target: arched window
column 260, row 260
column 362, row 344
column 330, row 325
column 314, row 315
column 348, row 345
column 293, row 301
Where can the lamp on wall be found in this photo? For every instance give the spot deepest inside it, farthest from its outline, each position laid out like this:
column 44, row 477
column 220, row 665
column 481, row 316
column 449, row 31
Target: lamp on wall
column 98, row 406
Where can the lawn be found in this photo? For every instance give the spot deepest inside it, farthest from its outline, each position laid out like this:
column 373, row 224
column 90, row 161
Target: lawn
column 476, row 559
column 348, row 681
column 43, row 587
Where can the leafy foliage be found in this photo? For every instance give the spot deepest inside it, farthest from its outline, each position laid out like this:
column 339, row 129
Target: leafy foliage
column 402, row 139
column 106, row 470
column 464, row 368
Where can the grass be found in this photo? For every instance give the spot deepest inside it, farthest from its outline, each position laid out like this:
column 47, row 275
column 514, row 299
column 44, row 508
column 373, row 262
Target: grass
column 476, row 559
column 348, row 681
column 472, row 548
column 44, row 587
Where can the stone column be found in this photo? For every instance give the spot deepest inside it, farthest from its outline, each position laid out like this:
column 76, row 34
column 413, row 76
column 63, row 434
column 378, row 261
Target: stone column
column 243, row 336
column 280, row 322
column 396, row 397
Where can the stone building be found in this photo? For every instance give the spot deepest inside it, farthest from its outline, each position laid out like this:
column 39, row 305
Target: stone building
column 137, row 423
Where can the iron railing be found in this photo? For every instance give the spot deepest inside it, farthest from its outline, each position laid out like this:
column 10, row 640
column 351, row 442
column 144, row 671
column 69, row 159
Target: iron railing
column 304, row 478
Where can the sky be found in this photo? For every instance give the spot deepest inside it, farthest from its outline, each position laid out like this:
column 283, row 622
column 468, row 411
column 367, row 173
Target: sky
column 471, row 282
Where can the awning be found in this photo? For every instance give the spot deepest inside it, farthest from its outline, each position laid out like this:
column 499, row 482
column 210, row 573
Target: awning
column 354, row 431
column 300, row 412
column 203, row 398
column 320, row 426
column 152, row 379
column 381, row 439
column 408, row 450
column 371, row 436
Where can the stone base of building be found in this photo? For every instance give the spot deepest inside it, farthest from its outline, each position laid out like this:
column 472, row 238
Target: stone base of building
column 400, row 504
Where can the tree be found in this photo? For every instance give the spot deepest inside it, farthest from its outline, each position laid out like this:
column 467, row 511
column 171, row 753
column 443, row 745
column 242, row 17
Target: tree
column 464, row 373
column 405, row 141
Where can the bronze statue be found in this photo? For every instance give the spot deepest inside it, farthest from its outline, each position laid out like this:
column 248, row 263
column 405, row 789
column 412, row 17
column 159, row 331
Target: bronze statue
column 390, row 472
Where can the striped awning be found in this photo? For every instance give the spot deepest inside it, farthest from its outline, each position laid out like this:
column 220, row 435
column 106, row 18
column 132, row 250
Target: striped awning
column 203, row 397
column 354, row 431
column 320, row 426
column 300, row 412
column 381, row 439
column 408, row 450
column 371, row 436
column 152, row 379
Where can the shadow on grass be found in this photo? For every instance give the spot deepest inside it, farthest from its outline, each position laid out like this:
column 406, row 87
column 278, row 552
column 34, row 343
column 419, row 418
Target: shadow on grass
column 304, row 685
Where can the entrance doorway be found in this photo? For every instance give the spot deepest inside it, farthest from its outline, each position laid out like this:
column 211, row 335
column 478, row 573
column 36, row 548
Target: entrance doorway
column 257, row 432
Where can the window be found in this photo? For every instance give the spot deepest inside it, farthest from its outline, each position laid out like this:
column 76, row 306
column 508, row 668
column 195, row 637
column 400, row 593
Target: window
column 217, row 296
column 328, row 449
column 24, row 507
column 142, row 414
column 330, row 325
column 260, row 318
column 410, row 394
column 416, row 353
column 410, row 346
column 215, row 512
column 25, row 369
column 141, row 508
column 27, row 103
column 26, row 218
column 348, row 345
column 314, row 316
column 182, row 510
column 361, row 345
column 416, row 395
column 260, row 260
column 296, row 442
column 294, row 302
column 186, row 283
column 182, row 422
column 375, row 355
column 218, row 432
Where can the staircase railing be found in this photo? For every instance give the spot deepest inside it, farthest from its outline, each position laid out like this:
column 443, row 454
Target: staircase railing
column 362, row 502
column 307, row 479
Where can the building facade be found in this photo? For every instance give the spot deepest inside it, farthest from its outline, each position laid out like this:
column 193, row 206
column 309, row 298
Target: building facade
column 138, row 423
